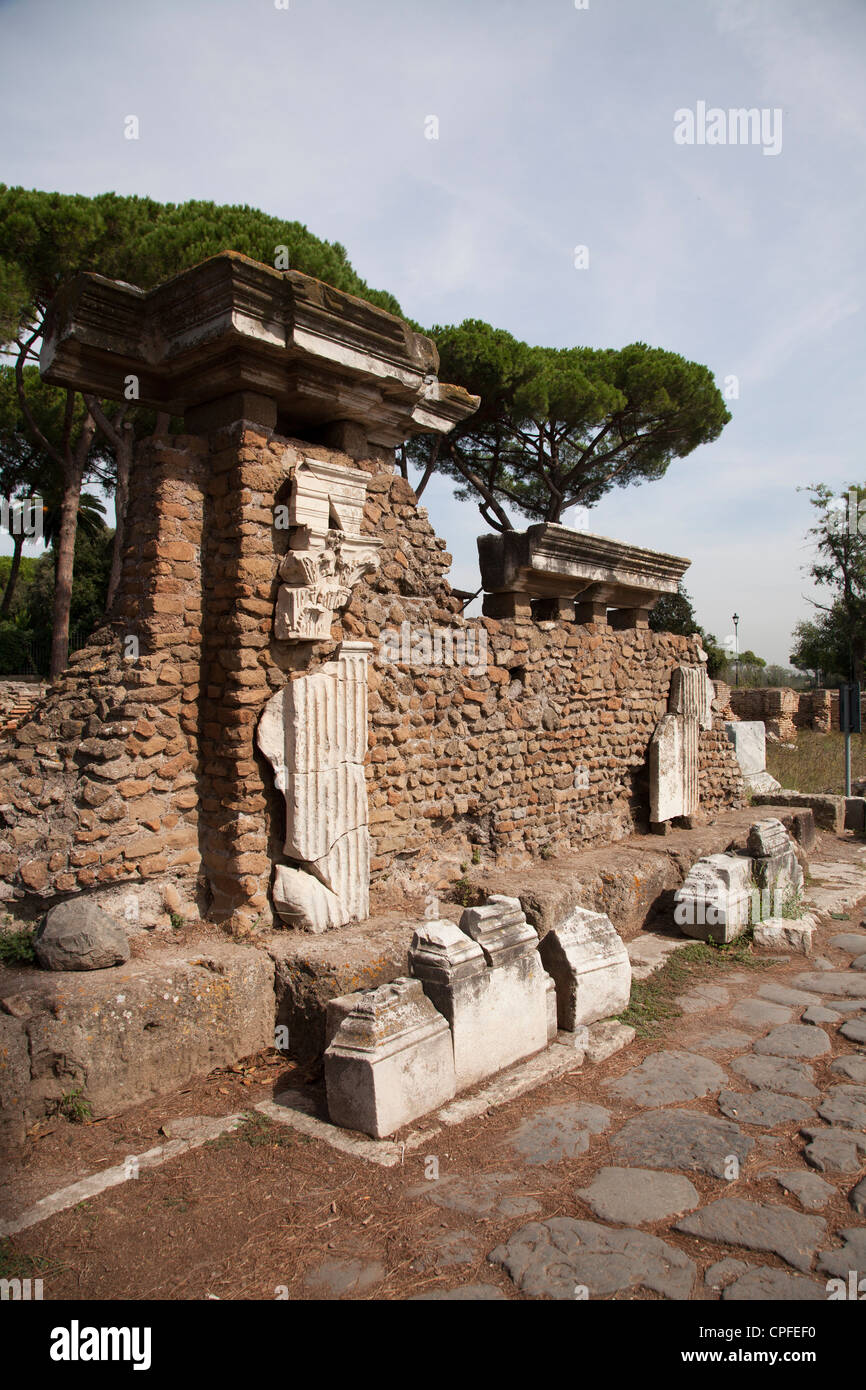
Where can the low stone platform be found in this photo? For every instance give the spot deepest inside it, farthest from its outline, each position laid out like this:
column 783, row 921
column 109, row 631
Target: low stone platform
column 122, row 1035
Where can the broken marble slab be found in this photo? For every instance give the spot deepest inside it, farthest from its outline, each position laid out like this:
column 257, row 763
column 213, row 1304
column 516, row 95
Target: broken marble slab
column 590, row 967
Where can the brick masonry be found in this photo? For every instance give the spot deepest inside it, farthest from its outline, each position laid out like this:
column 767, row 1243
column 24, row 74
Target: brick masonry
column 137, row 778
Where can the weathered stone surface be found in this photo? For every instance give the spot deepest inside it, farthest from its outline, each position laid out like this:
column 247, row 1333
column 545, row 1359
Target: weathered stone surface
column 758, row 1226
column 487, row 1194
column 834, row 1150
column 590, row 968
column 724, row 1272
column 793, row 1040
column 683, row 1139
column 673, row 755
column 781, row 994
column 769, row 1285
column 847, row 983
column 852, row 1067
column 857, row 1197
column 466, row 1293
column 859, row 963
column 449, row 1248
column 758, row 1013
column 78, row 935
column 765, row 1108
column 829, row 811
column 635, row 1196
column 495, row 996
column 776, row 1074
column 817, row 1014
column 703, row 998
column 845, row 1106
column 148, row 1027
column 726, row 1040
column 390, row 1060
column 14, row 1083
column 852, row 943
column 715, row 901
column 852, row 1256
column 607, row 1037
column 779, row 934
column 666, row 1077
column 314, row 734
column 749, row 738
column 333, row 1278
column 550, row 1259
column 557, row 1132
column 854, row 1030
column 811, row 1191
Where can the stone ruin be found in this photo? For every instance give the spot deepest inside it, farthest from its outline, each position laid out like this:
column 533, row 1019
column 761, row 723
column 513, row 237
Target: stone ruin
column 242, row 741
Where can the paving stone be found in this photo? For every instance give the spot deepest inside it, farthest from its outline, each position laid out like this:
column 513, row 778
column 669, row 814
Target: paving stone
column 854, row 1030
column 850, row 1006
column 834, row 1150
column 781, row 994
column 852, row 943
column 466, row 1293
column 557, row 1132
column 811, row 1191
column 551, row 1259
column 764, row 1108
column 774, row 1285
column 703, row 998
column 816, row 1013
column 726, row 1041
column 852, row 1067
column 793, row 1040
column 336, row 1277
column 758, row 1226
column 634, row 1196
column 845, row 1106
column 607, row 1037
column 859, row 963
column 666, row 1077
column 487, row 1194
column 857, row 1197
column 852, row 1256
column 449, row 1248
column 684, row 1139
column 776, row 1074
column 723, row 1272
column 847, row 983
column 759, row 1013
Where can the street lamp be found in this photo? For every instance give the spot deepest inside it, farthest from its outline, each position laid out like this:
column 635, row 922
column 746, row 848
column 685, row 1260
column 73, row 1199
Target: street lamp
column 737, row 646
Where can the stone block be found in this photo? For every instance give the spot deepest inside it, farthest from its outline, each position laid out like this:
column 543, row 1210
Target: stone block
column 749, row 738
column 855, row 813
column 829, row 811
column 590, row 968
column 781, row 934
column 78, row 935
column 714, row 902
column 490, row 986
column 776, row 869
column 390, row 1061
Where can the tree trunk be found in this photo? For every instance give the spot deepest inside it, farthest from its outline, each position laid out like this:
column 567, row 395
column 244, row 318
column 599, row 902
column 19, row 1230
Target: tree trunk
column 123, row 455
column 9, row 592
column 74, row 466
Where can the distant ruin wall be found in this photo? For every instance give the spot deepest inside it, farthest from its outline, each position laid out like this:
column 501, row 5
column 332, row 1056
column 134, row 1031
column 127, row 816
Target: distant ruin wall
column 784, row 710
column 140, row 766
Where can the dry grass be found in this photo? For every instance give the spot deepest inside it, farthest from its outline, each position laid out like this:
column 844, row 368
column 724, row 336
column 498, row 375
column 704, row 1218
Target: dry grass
column 817, row 764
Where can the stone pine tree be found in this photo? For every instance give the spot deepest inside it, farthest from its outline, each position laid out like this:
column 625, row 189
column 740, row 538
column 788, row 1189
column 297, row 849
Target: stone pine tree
column 45, row 237
column 558, row 427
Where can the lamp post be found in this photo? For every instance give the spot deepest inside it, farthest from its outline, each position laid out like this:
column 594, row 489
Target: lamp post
column 737, row 647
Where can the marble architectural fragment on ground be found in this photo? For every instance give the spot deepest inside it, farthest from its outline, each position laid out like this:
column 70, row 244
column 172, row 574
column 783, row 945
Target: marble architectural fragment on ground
column 590, row 966
column 723, row 893
column 486, row 978
column 314, row 733
column 673, row 757
column 390, row 1061
column 749, row 739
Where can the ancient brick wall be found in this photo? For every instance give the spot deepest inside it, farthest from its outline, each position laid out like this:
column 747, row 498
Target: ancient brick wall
column 142, row 769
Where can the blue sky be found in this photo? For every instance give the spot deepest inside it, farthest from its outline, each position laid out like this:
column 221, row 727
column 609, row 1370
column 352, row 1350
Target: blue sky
column 556, row 129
